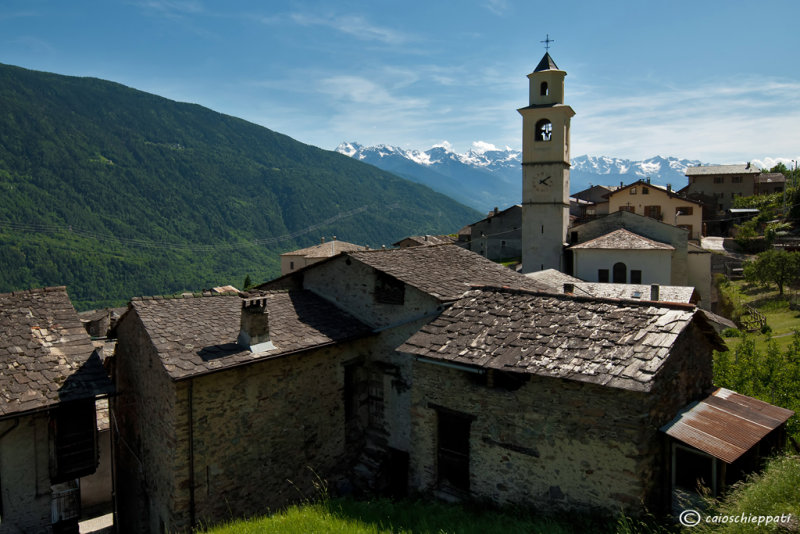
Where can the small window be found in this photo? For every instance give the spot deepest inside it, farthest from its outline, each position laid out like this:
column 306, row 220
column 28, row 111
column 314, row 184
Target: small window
column 453, row 434
column 388, row 289
column 636, row 276
column 719, row 179
column 633, row 190
column 736, row 179
column 602, row 276
column 627, row 208
column 645, row 191
column 543, row 89
column 684, row 210
column 544, row 130
column 687, row 227
column 291, row 266
column 653, row 212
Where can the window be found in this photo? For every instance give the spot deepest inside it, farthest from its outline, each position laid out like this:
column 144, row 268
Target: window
column 291, row 266
column 645, row 191
column 74, row 428
column 636, row 276
column 684, row 210
column 543, row 90
column 620, row 272
column 388, row 289
column 544, row 130
column 687, row 227
column 633, row 191
column 653, row 212
column 719, row 179
column 736, row 179
column 602, row 276
column 627, row 208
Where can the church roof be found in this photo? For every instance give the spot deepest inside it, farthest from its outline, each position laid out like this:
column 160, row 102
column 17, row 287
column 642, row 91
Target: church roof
column 46, row 356
column 623, row 240
column 614, row 343
column 546, row 63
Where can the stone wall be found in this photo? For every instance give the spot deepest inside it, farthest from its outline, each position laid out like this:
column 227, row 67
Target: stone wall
column 25, row 474
column 147, row 447
column 552, row 443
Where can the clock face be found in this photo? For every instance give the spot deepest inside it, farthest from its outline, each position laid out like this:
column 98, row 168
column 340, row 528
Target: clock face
column 542, row 182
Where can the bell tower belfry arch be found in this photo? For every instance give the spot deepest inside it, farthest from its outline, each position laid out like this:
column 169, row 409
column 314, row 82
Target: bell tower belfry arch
column 545, row 168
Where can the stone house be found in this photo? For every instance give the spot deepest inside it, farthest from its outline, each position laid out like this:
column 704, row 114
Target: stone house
column 497, row 237
column 50, row 378
column 660, row 203
column 297, row 259
column 597, row 197
column 325, row 394
column 723, row 183
column 424, row 241
column 558, row 401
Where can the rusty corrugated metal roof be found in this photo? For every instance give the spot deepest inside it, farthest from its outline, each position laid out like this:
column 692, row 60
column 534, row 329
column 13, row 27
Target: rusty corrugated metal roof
column 726, row 424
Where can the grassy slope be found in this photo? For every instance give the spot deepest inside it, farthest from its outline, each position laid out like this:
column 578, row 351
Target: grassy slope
column 115, row 193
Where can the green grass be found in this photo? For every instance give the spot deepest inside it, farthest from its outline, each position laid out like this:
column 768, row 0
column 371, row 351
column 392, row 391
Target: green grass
column 774, row 492
column 780, row 318
column 415, row 517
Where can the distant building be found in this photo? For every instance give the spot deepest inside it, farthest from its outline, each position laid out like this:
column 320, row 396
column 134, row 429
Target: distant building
column 723, row 183
column 297, row 259
column 496, row 237
column 660, row 203
column 425, row 241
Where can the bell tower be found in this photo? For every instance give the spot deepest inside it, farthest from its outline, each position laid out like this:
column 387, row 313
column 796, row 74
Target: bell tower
column 545, row 168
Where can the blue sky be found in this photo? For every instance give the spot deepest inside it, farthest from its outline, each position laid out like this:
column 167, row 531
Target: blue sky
column 717, row 81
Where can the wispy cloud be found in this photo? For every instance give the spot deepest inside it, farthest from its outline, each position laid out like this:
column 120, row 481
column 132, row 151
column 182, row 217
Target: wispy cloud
column 354, row 25
column 172, row 8
column 498, row 7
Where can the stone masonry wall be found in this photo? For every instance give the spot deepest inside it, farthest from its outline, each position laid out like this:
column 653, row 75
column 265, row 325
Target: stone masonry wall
column 25, row 475
column 552, row 443
column 147, row 447
column 264, row 434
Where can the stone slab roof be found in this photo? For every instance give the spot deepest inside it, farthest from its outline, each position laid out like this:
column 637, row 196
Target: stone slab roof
column 622, row 240
column 620, row 344
column 553, row 278
column 684, row 294
column 770, row 178
column 427, row 240
column 444, row 271
column 46, row 356
column 721, row 169
column 325, row 250
column 197, row 335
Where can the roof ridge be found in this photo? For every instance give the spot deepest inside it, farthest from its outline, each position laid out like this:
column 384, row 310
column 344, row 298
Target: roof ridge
column 587, row 298
column 34, row 291
column 186, row 295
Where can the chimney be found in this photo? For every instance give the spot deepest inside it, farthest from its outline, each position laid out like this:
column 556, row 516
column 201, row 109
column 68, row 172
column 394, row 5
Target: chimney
column 321, row 240
column 496, row 210
column 669, row 187
column 654, row 290
column 747, row 166
column 648, row 180
column 621, row 183
column 333, row 238
column 254, row 332
column 569, row 288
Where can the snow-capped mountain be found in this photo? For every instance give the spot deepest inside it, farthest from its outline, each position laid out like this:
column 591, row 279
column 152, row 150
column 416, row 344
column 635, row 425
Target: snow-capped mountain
column 486, row 176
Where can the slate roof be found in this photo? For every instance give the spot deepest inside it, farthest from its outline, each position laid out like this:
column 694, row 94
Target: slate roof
column 197, row 335
column 684, row 294
column 553, row 278
column 721, row 169
column 622, row 240
column 770, row 178
column 46, row 356
column 546, row 63
column 325, row 250
column 619, row 344
column 427, row 240
column 444, row 271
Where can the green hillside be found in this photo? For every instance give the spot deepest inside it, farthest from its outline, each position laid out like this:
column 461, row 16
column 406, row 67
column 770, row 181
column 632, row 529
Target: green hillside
column 116, row 193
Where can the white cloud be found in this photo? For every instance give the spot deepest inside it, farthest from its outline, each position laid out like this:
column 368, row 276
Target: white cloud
column 354, row 25
column 172, row 7
column 482, row 146
column 498, row 7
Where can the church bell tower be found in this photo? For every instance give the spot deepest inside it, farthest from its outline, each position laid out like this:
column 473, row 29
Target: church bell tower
column 545, row 169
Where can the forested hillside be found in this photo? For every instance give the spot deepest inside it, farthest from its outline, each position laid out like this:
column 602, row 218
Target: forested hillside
column 116, row 193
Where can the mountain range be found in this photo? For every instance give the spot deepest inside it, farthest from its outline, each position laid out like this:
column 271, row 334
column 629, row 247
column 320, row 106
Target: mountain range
column 486, row 177
column 118, row 193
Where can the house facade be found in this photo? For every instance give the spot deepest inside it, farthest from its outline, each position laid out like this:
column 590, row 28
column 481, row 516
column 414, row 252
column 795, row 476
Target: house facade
column 660, row 203
column 723, row 183
column 496, row 237
column 51, row 376
column 297, row 259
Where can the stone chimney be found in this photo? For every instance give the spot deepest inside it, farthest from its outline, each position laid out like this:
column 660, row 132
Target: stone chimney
column 654, row 290
column 669, row 187
column 569, row 288
column 254, row 330
column 321, row 240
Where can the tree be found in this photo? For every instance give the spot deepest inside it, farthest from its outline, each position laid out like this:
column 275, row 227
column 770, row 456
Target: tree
column 774, row 266
column 247, row 282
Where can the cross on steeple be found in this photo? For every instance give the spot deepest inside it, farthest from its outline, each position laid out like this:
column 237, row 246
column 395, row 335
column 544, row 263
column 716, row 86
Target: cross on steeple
column 547, row 42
